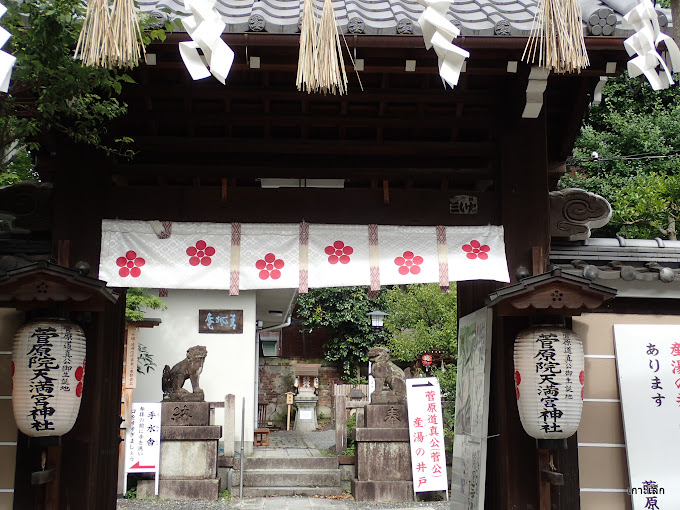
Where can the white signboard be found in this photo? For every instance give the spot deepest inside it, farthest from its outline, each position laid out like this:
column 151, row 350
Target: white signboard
column 648, row 364
column 468, row 473
column 143, row 441
column 131, row 358
column 428, row 457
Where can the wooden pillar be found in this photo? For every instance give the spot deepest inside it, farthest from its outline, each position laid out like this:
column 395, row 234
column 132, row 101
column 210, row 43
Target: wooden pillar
column 512, row 464
column 89, row 461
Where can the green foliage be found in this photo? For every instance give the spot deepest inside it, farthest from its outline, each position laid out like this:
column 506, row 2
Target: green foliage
column 18, row 170
column 137, row 299
column 225, row 494
column 131, row 493
column 636, row 133
column 145, row 362
column 140, row 298
column 50, row 92
column 344, row 310
column 421, row 318
column 631, row 120
column 351, row 446
column 447, row 376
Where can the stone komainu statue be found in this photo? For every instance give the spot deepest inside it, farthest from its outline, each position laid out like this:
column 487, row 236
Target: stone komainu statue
column 189, row 368
column 386, row 372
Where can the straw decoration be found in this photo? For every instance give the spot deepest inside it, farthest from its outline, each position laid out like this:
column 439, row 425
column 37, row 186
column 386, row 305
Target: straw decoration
column 557, row 37
column 110, row 38
column 331, row 66
column 94, row 36
column 307, row 69
column 125, row 35
column 321, row 67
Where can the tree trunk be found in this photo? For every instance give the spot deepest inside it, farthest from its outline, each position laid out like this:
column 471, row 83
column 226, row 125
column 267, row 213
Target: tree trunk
column 672, row 232
column 675, row 12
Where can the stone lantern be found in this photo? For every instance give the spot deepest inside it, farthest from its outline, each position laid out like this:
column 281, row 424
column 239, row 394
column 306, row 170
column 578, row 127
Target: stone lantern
column 307, row 383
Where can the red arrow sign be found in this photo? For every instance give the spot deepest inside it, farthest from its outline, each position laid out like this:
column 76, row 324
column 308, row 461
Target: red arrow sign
column 137, row 466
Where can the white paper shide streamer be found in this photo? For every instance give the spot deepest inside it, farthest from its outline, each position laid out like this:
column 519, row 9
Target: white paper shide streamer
column 205, row 26
column 6, row 60
column 438, row 32
column 644, row 19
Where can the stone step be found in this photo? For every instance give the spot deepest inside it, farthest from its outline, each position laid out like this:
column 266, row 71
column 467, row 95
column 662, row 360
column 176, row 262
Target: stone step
column 259, row 492
column 288, row 478
column 289, row 463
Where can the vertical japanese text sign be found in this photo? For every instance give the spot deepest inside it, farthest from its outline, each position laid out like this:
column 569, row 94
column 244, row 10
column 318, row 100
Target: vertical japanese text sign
column 143, row 440
column 131, row 358
column 468, row 466
column 648, row 364
column 428, row 458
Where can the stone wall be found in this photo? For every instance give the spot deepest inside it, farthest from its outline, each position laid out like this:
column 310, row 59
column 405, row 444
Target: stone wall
column 276, row 378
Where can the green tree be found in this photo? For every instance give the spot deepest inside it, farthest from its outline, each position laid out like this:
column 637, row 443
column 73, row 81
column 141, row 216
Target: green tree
column 629, row 152
column 421, row 318
column 424, row 319
column 345, row 311
column 136, row 301
column 139, row 299
column 51, row 93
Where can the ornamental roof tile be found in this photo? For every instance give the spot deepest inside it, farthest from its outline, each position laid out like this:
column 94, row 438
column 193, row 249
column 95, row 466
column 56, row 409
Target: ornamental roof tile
column 473, row 17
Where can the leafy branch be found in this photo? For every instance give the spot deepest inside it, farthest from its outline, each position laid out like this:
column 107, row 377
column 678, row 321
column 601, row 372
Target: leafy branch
column 51, row 93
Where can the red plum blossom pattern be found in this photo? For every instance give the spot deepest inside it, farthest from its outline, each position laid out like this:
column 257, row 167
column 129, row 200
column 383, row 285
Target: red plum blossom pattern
column 476, row 250
column 130, row 264
column 270, row 267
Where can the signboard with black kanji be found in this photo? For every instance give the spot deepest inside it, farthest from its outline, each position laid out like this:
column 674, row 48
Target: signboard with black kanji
column 143, row 440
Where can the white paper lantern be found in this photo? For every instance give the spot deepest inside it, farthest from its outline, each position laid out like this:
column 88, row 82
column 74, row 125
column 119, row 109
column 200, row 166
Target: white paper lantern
column 549, row 378
column 48, row 367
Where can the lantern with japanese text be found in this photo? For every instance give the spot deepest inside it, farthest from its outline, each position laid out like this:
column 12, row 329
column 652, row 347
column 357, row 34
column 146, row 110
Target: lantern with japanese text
column 48, row 366
column 549, row 379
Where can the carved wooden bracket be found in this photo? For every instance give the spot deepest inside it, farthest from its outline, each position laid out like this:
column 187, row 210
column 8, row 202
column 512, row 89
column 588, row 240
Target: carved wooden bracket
column 573, row 212
column 551, row 293
column 44, row 284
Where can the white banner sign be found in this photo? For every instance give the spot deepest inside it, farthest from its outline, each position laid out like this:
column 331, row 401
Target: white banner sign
column 143, row 441
column 237, row 256
column 428, row 457
column 468, row 474
column 648, row 364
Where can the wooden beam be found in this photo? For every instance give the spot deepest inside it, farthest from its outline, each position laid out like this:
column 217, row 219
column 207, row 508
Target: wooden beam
column 408, row 207
column 348, row 148
column 432, row 119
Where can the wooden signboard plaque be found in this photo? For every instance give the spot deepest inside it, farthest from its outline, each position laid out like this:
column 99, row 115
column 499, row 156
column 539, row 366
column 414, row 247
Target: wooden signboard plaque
column 220, row 321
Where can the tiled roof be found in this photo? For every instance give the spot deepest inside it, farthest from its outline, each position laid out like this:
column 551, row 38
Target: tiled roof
column 625, row 259
column 399, row 17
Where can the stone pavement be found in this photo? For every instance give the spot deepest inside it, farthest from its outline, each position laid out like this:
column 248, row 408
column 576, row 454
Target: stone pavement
column 277, row 503
column 286, row 444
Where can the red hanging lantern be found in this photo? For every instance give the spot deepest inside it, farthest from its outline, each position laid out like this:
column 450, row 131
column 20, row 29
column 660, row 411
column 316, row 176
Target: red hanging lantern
column 48, row 367
column 426, row 359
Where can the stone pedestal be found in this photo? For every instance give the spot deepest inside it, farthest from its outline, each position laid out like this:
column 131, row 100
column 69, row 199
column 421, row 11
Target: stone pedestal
column 305, row 417
column 383, row 455
column 188, row 468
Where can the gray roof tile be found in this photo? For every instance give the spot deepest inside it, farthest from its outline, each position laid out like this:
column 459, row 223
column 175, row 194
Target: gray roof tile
column 475, row 17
